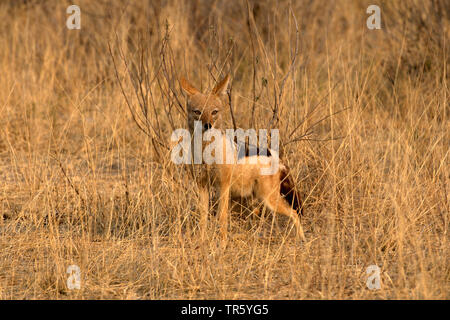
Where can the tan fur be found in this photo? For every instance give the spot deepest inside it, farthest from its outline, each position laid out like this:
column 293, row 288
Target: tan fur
column 239, row 179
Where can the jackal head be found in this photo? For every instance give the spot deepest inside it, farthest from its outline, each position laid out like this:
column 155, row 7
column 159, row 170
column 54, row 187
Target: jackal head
column 207, row 108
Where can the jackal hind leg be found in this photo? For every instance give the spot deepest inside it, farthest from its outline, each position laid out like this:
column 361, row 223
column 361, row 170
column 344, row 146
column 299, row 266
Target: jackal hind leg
column 270, row 194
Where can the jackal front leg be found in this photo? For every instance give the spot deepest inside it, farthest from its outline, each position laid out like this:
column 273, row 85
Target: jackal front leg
column 224, row 200
column 204, row 210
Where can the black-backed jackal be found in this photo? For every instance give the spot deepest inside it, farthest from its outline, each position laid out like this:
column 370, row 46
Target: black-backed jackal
column 241, row 177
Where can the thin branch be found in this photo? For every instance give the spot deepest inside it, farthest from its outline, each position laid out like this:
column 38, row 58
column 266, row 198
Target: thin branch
column 313, row 109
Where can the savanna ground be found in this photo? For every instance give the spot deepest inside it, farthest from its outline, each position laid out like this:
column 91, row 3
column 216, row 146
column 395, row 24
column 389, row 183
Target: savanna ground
column 364, row 122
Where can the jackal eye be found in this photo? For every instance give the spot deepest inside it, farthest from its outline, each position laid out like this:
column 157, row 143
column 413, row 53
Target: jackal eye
column 214, row 112
column 197, row 112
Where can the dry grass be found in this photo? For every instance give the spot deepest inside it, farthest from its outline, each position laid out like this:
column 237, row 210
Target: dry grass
column 80, row 184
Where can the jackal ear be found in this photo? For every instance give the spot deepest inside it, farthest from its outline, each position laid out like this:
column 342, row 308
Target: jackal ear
column 187, row 87
column 221, row 87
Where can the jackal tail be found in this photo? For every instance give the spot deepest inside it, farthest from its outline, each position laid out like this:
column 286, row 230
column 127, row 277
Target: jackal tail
column 288, row 190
